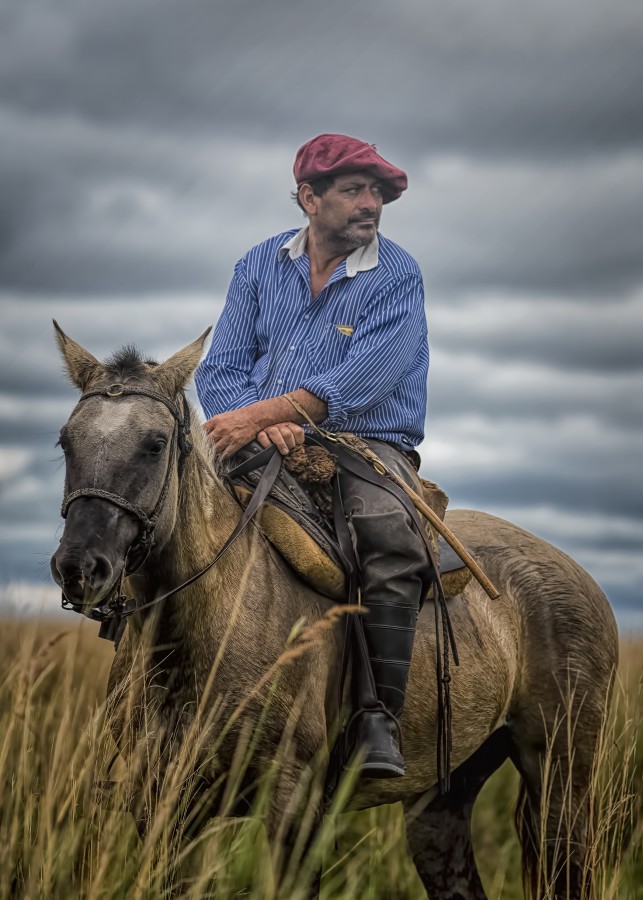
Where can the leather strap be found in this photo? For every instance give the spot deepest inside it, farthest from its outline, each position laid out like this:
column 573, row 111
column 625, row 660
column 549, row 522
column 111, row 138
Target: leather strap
column 444, row 636
column 255, row 462
column 112, row 627
column 427, row 512
column 263, row 489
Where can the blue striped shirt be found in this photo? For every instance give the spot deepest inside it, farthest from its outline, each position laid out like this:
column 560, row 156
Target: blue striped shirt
column 360, row 345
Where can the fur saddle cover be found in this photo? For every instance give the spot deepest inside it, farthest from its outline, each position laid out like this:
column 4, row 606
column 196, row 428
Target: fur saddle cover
column 302, row 530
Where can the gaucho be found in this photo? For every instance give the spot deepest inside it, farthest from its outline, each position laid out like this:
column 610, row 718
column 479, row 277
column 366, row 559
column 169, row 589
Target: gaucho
column 333, row 314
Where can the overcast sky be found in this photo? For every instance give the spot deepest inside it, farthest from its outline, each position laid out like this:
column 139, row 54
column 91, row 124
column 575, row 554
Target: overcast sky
column 146, row 144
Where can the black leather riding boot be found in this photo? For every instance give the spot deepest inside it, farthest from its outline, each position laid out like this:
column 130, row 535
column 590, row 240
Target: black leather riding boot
column 394, row 569
column 391, row 591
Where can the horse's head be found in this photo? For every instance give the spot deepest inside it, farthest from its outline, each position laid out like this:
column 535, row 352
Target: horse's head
column 124, row 444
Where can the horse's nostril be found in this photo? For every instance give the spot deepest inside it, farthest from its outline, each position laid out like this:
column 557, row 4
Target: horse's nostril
column 81, row 577
column 68, row 569
column 99, row 571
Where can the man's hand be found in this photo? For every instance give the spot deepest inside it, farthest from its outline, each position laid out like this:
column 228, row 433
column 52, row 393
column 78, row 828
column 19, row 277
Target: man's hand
column 267, row 420
column 230, row 431
column 285, row 436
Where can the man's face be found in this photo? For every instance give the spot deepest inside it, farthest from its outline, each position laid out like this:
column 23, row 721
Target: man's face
column 348, row 214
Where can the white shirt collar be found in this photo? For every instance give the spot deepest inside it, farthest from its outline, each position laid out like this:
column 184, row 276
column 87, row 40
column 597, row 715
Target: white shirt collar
column 360, row 260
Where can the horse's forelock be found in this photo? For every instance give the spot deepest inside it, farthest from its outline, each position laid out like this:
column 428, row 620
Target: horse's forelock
column 128, row 362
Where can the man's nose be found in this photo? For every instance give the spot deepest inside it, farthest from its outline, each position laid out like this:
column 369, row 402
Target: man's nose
column 369, row 201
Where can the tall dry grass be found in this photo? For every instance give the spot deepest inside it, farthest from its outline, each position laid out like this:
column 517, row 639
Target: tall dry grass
column 61, row 837
column 615, row 856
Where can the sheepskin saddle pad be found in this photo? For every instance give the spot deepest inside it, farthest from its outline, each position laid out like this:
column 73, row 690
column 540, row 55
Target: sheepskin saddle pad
column 297, row 520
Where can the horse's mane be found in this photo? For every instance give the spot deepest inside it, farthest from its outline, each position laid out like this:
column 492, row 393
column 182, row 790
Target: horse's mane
column 217, row 465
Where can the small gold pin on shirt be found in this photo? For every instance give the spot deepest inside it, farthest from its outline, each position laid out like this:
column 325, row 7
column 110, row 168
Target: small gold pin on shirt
column 345, row 329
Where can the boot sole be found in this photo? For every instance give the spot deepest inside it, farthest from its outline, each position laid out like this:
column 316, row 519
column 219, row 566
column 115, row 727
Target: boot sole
column 381, row 770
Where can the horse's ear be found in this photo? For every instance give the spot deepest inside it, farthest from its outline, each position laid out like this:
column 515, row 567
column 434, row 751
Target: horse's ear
column 83, row 368
column 173, row 374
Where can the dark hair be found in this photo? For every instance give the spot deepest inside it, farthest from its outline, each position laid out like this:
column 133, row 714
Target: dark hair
column 319, row 186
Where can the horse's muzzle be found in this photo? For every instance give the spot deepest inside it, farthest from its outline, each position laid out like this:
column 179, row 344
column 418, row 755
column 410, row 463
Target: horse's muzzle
column 88, row 563
column 85, row 578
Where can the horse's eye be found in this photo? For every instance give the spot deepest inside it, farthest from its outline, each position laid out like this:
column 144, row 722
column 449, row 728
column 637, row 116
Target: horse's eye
column 157, row 448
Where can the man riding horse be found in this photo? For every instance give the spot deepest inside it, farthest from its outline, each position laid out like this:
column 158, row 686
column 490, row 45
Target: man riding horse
column 333, row 315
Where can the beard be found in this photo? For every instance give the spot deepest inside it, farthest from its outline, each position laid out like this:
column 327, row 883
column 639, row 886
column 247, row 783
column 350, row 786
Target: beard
column 351, row 238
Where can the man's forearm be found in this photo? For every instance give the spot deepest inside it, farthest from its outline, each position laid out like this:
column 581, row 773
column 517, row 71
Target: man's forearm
column 274, row 420
column 279, row 409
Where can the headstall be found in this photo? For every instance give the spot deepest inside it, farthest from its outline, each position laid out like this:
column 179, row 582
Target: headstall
column 118, row 605
column 113, row 614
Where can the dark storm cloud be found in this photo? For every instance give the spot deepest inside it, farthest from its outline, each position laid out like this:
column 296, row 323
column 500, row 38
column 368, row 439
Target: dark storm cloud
column 140, row 147
column 546, row 331
column 558, row 486
column 25, row 561
column 41, row 433
column 29, row 516
column 570, row 464
column 31, row 366
column 557, row 228
column 89, row 211
column 146, row 144
column 546, row 77
column 492, row 384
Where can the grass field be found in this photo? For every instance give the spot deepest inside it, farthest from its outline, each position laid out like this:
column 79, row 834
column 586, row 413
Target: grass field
column 57, row 841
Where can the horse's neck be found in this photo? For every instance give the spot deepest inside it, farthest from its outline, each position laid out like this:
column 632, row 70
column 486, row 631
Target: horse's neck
column 231, row 614
column 206, row 516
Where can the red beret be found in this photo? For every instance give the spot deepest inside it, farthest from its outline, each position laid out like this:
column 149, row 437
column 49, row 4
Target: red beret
column 339, row 154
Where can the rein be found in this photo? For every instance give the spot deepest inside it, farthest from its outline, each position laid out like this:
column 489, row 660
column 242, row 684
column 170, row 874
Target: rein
column 113, row 614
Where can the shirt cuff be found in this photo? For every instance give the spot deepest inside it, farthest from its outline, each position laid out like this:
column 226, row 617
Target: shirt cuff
column 326, row 389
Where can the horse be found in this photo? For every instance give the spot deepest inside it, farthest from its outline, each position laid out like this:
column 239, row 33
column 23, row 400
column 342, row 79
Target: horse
column 144, row 512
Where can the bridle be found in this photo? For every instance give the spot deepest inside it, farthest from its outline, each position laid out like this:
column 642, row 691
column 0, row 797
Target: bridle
column 113, row 614
column 138, row 552
column 180, row 445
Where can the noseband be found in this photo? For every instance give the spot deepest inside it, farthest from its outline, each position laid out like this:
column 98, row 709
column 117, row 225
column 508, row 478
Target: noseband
column 138, row 552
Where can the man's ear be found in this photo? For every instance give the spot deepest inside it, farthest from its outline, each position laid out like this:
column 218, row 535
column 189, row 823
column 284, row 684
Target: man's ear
column 307, row 199
column 173, row 374
column 82, row 367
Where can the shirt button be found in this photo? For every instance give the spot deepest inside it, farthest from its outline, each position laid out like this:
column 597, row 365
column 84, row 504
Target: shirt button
column 292, row 347
column 307, row 316
column 280, row 381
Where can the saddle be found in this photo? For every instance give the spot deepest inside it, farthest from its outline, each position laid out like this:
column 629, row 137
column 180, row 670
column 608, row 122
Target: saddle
column 297, row 519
